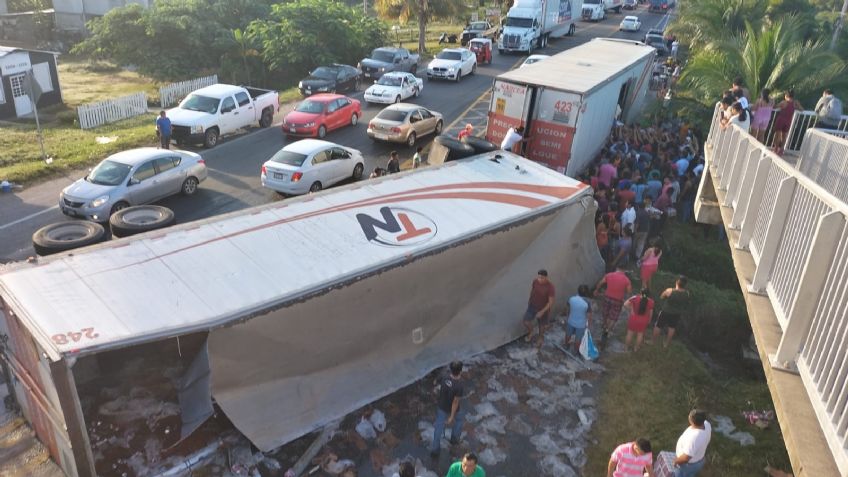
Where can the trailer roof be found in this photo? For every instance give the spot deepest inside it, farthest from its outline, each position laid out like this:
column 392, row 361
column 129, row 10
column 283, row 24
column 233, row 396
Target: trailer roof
column 583, row 68
column 200, row 275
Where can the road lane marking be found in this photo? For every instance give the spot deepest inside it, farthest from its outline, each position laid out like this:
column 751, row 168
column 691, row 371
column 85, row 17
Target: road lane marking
column 28, row 217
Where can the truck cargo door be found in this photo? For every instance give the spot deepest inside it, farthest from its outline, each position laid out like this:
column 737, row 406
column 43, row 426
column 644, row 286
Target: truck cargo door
column 552, row 129
column 509, row 108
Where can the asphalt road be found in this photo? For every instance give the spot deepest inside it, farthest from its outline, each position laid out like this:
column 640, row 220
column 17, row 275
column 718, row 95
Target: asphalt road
column 234, row 164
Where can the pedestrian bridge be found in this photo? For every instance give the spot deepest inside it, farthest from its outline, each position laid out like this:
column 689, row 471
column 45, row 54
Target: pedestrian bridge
column 786, row 223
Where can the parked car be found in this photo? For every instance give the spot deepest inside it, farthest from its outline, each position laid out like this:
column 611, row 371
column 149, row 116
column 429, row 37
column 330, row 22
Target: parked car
column 331, row 79
column 452, row 64
column 481, row 29
column 320, row 114
column 386, row 59
column 394, row 87
column 533, row 59
column 309, row 166
column 653, row 32
column 220, row 109
column 132, row 177
column 404, row 122
column 630, row 23
column 630, row 4
column 658, row 43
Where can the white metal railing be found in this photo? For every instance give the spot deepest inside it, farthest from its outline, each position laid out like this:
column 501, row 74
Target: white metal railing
column 795, row 229
column 111, row 110
column 824, row 159
column 172, row 93
column 803, row 121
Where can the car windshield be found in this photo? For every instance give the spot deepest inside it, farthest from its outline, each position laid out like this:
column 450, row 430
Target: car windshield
column 631, row 19
column 289, row 158
column 204, row 104
column 449, row 55
column 310, row 107
column 478, row 26
column 389, row 81
column 392, row 115
column 383, row 55
column 109, row 173
column 520, row 22
column 656, row 41
column 324, row 73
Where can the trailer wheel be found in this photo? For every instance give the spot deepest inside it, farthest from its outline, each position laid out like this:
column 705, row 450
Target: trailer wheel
column 64, row 236
column 139, row 219
column 479, row 144
column 571, row 29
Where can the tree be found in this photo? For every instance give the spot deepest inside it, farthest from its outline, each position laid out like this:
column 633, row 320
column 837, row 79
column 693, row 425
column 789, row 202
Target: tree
column 422, row 10
column 300, row 35
column 703, row 21
column 774, row 57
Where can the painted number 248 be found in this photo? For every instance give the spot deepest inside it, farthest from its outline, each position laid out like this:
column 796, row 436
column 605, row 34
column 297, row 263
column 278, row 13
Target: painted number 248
column 75, row 336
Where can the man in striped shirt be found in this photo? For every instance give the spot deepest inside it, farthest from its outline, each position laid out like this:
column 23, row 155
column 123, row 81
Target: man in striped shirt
column 631, row 459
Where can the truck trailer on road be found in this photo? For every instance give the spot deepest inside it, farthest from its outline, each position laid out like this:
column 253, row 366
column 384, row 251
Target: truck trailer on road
column 530, row 23
column 290, row 315
column 569, row 102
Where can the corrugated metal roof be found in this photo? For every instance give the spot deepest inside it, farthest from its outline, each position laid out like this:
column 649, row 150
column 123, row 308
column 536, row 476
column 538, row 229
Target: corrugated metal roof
column 582, row 68
column 7, row 50
column 203, row 274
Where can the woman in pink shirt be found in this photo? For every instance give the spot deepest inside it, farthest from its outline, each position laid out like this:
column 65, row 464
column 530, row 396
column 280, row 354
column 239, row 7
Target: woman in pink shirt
column 650, row 264
column 617, row 287
column 641, row 309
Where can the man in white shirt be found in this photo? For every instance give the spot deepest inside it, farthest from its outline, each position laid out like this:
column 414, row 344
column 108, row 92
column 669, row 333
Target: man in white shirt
column 513, row 137
column 692, row 445
column 628, row 216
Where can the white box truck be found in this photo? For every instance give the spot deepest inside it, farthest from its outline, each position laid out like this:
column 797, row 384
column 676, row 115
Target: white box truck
column 596, row 10
column 569, row 102
column 530, row 23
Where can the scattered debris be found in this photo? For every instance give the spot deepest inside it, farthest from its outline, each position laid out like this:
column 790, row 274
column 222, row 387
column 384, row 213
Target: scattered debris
column 105, row 139
column 723, row 425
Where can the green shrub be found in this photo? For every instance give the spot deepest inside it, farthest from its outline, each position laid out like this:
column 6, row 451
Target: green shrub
column 698, row 257
column 68, row 117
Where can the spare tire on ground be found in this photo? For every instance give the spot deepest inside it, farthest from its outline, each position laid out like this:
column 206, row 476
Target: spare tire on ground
column 64, row 236
column 446, row 149
column 480, row 145
column 140, row 219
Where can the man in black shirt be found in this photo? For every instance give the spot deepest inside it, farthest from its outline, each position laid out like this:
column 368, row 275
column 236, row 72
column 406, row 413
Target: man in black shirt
column 394, row 163
column 451, row 390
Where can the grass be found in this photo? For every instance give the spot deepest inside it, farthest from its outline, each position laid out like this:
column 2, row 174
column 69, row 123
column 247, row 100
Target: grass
column 650, row 394
column 407, row 37
column 87, row 82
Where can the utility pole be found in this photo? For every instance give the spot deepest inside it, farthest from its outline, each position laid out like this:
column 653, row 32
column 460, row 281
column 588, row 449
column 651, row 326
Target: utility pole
column 839, row 23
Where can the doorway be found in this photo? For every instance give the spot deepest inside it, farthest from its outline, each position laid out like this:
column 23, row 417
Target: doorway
column 23, row 105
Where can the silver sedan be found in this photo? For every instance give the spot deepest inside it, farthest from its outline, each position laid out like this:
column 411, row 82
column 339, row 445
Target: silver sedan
column 133, row 177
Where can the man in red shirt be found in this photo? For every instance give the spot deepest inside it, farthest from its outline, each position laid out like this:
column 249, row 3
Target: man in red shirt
column 542, row 294
column 618, row 286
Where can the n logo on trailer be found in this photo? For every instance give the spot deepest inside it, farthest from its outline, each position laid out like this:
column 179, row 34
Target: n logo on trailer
column 399, row 227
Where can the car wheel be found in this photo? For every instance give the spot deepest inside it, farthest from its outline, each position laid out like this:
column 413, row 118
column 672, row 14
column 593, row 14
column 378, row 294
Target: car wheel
column 266, row 119
column 140, row 219
column 473, row 68
column 458, row 76
column 438, row 129
column 118, row 206
column 210, row 139
column 322, row 131
column 189, row 186
column 417, row 92
column 354, row 119
column 315, row 187
column 410, row 140
column 63, row 236
column 397, row 99
column 357, row 171
column 571, row 30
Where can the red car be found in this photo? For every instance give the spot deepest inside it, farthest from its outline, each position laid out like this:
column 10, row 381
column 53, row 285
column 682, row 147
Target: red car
column 321, row 113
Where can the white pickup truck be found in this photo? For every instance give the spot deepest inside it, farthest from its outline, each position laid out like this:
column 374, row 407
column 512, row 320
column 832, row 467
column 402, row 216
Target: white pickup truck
column 214, row 111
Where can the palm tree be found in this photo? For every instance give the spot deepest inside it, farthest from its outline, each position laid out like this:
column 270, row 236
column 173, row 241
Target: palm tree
column 703, row 21
column 244, row 49
column 422, row 10
column 774, row 57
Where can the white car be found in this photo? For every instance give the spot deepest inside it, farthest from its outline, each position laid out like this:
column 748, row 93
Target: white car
column 452, row 64
column 310, row 165
column 533, row 59
column 394, row 87
column 630, row 23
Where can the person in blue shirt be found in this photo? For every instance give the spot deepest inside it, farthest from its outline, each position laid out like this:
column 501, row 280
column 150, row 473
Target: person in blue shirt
column 639, row 189
column 579, row 313
column 163, row 130
column 655, row 185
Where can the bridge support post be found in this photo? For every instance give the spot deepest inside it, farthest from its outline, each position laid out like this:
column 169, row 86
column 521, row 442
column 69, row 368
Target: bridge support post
column 776, row 223
column 825, row 240
column 758, row 187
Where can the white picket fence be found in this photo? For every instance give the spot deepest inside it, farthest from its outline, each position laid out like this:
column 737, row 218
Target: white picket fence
column 172, row 93
column 103, row 112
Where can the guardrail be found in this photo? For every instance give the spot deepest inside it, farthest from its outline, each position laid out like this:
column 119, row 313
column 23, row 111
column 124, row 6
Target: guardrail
column 824, row 159
column 801, row 122
column 171, row 94
column 796, row 232
column 103, row 112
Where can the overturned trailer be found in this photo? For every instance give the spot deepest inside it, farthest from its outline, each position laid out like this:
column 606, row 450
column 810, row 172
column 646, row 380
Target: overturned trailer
column 300, row 311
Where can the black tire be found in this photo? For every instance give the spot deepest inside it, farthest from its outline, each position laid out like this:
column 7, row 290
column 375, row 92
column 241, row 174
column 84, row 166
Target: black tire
column 140, row 219
column 410, row 140
column 354, row 119
column 417, row 92
column 315, row 187
column 480, row 145
column 357, row 171
column 500, row 52
column 456, row 149
column 474, row 68
column 64, row 236
column 118, row 206
column 267, row 118
column 439, row 126
column 189, row 186
column 322, row 131
column 397, row 99
column 571, row 29
column 210, row 139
